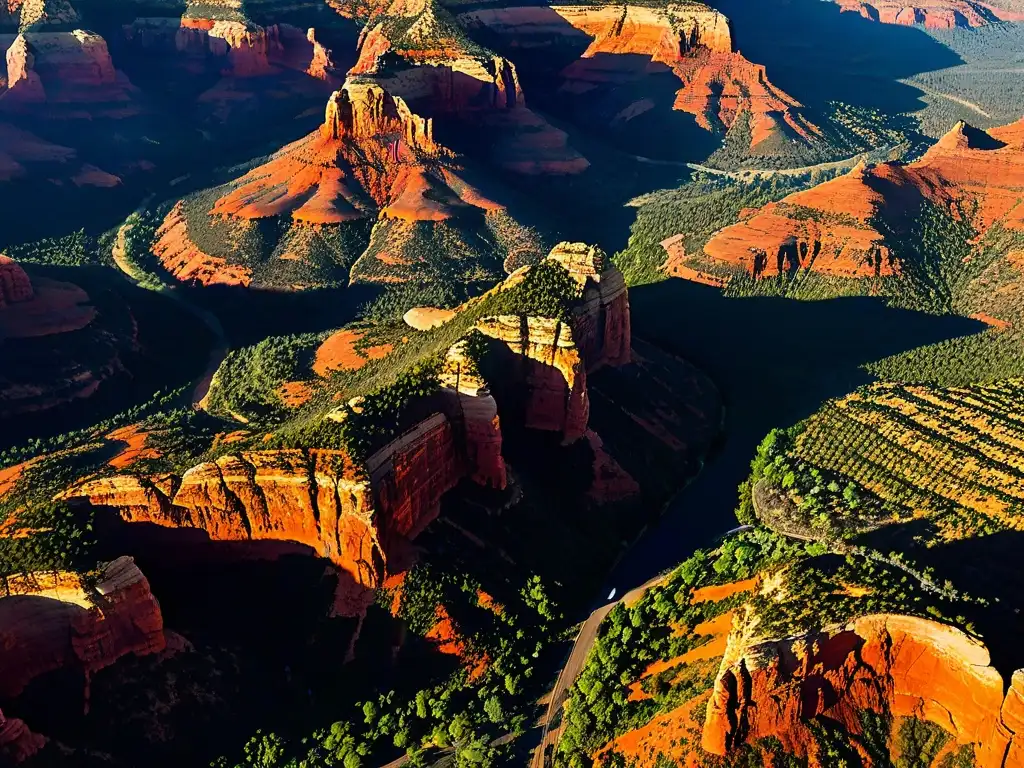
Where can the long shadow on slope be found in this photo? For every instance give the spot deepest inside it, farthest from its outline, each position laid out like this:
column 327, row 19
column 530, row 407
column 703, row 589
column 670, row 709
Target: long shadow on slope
column 984, row 566
column 775, row 361
column 818, row 54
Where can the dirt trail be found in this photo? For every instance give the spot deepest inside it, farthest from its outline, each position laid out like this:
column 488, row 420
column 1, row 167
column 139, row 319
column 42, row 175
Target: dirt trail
column 956, row 99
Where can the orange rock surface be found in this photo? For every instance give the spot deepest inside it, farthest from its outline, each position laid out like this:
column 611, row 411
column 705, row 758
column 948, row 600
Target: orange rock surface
column 19, row 150
column 183, row 258
column 903, row 665
column 338, row 352
column 933, row 14
column 372, row 154
column 41, row 633
column 315, row 498
column 62, row 68
column 830, row 228
column 629, row 42
column 52, row 307
column 135, row 448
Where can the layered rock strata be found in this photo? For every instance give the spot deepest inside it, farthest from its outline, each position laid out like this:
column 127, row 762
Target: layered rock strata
column 46, row 626
column 834, row 228
column 933, row 14
column 898, row 665
column 353, row 516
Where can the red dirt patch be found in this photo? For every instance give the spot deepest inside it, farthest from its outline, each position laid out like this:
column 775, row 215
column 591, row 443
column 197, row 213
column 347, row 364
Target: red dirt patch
column 994, row 322
column 339, row 352
column 9, row 476
column 295, row 393
column 135, row 449
column 722, row 591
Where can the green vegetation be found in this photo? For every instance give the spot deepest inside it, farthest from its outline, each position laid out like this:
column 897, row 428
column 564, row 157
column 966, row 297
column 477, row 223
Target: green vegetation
column 44, row 538
column 635, row 636
column 696, row 210
column 73, row 250
column 249, row 380
column 892, row 452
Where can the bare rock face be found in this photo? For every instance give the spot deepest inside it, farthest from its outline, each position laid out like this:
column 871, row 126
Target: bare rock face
column 180, row 256
column 558, row 355
column 898, row 664
column 17, row 742
column 933, row 14
column 14, row 283
column 831, row 228
column 45, row 626
column 63, row 68
column 355, row 517
column 627, row 43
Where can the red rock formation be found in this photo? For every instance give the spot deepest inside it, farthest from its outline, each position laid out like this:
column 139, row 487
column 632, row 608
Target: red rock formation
column 43, row 628
column 180, row 256
column 14, row 283
column 20, row 149
column 17, row 742
column 628, row 43
column 933, row 14
column 355, row 517
column 557, row 356
column 898, row 664
column 831, row 228
column 62, row 68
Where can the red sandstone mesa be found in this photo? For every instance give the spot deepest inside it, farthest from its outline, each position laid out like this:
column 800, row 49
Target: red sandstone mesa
column 830, row 228
column 898, row 664
column 933, row 14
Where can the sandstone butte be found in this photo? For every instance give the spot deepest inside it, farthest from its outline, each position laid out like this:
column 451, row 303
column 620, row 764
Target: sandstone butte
column 233, row 48
column 691, row 41
column 371, row 157
column 19, row 150
column 53, row 621
column 361, row 518
column 933, row 14
column 436, row 73
column 884, row 663
column 829, row 228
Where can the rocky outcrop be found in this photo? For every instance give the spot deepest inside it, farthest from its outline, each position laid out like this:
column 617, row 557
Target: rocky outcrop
column 356, row 517
column 180, row 256
column 17, row 742
column 933, row 14
column 45, row 626
column 552, row 372
column 556, row 355
column 63, row 68
column 14, row 283
column 900, row 665
column 627, row 43
column 833, row 228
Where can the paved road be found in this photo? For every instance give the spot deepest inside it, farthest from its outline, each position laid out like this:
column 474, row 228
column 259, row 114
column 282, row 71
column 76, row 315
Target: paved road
column 574, row 664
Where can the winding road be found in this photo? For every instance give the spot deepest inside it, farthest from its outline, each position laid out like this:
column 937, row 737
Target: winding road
column 220, row 349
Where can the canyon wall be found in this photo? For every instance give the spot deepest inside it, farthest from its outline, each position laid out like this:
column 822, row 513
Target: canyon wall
column 46, row 626
column 355, row 517
column 900, row 665
column 554, row 357
column 933, row 14
column 69, row 68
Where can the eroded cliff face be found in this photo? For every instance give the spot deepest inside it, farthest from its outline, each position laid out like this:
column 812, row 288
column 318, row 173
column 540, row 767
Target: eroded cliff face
column 933, row 14
column 900, row 665
column 627, row 43
column 48, row 624
column 63, row 68
column 833, row 228
column 355, row 517
column 555, row 355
